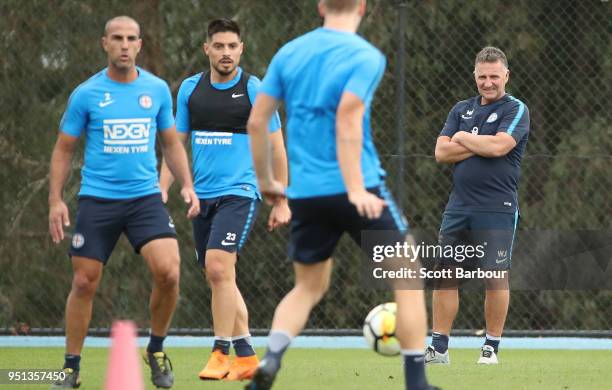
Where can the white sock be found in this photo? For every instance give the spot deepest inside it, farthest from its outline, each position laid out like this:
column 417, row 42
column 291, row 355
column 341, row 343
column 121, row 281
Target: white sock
column 412, row 352
column 279, row 341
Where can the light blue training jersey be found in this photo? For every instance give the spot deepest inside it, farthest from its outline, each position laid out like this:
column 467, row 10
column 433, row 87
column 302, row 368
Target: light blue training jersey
column 120, row 121
column 310, row 74
column 222, row 162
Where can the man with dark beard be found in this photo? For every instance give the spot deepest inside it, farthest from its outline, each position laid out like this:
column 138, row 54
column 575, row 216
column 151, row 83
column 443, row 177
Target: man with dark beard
column 214, row 107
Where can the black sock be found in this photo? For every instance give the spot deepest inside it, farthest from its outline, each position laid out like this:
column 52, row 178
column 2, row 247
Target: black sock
column 243, row 346
column 439, row 341
column 414, row 370
column 72, row 361
column 222, row 345
column 156, row 343
column 493, row 342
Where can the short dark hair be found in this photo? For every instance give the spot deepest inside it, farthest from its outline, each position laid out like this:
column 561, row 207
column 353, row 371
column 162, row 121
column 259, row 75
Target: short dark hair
column 340, row 6
column 222, row 25
column 491, row 54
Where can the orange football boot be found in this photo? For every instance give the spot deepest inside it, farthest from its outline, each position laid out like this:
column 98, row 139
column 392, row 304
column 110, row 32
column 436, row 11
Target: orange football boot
column 242, row 368
column 217, row 367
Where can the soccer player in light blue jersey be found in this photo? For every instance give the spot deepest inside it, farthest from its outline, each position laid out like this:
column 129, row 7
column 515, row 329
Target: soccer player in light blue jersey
column 212, row 109
column 120, row 110
column 327, row 79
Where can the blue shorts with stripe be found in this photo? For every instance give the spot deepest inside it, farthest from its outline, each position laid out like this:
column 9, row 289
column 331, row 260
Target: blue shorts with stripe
column 223, row 223
column 100, row 222
column 317, row 224
column 493, row 232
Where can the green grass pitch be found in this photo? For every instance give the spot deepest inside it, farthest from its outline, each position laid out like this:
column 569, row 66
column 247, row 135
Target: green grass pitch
column 358, row 369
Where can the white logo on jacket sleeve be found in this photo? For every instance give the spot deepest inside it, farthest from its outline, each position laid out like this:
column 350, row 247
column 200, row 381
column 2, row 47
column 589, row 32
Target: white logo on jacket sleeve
column 492, row 118
column 126, row 135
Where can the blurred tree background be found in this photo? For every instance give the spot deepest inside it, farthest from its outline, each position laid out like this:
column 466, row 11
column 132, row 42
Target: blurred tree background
column 560, row 57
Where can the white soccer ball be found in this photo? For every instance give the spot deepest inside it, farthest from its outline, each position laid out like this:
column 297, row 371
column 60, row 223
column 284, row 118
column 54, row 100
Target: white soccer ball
column 379, row 329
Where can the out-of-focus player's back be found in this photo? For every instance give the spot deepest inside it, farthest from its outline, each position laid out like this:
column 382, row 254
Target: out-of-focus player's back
column 310, row 74
column 327, row 79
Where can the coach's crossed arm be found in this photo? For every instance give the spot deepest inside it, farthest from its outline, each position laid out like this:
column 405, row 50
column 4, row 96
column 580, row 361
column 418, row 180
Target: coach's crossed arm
column 450, row 152
column 490, row 146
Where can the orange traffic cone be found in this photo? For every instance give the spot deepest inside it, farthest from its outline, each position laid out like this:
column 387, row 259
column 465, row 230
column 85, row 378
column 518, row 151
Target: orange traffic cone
column 124, row 371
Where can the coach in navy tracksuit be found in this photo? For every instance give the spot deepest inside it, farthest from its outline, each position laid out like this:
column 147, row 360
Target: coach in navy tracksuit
column 484, row 137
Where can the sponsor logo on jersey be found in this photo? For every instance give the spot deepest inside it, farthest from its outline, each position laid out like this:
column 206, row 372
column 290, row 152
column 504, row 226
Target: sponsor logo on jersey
column 213, row 138
column 145, row 101
column 492, row 118
column 234, row 96
column 126, row 135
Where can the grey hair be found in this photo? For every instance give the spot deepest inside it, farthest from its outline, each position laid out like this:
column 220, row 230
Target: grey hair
column 491, row 54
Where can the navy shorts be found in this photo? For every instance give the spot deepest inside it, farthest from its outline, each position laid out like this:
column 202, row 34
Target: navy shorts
column 100, row 222
column 223, row 223
column 317, row 224
column 490, row 234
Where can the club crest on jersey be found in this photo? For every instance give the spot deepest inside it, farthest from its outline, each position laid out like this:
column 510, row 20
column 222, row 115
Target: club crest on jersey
column 492, row 118
column 78, row 241
column 145, row 101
